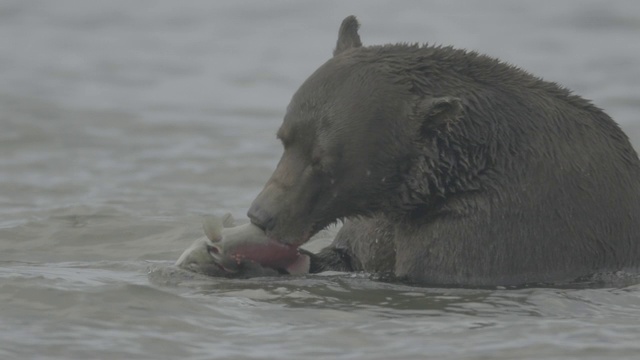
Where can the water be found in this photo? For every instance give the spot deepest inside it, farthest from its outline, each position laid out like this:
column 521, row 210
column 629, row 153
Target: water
column 122, row 123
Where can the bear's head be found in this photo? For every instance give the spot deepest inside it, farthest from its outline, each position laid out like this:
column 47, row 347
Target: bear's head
column 351, row 134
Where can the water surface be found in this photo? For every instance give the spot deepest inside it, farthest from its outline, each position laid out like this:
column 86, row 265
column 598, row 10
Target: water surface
column 122, row 123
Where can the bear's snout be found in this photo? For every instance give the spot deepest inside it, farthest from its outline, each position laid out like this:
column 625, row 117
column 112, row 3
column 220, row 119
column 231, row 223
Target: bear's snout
column 278, row 222
column 261, row 217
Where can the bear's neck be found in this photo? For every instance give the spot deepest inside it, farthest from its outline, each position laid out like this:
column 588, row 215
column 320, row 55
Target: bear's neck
column 443, row 169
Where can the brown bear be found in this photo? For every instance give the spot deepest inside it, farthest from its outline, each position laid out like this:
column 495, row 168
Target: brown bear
column 451, row 168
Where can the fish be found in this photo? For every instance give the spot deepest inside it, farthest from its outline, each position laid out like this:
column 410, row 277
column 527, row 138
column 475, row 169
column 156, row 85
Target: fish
column 240, row 251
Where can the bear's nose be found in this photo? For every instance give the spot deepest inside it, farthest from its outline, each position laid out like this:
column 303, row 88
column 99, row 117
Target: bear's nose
column 260, row 217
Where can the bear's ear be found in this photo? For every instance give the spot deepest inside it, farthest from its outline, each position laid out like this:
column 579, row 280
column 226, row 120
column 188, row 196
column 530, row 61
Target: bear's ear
column 348, row 35
column 437, row 111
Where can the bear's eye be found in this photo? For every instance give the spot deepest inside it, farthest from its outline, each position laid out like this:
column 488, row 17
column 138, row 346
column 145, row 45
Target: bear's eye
column 316, row 162
column 319, row 163
column 322, row 167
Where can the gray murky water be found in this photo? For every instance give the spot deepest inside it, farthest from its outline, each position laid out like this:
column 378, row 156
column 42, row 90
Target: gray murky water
column 122, row 123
